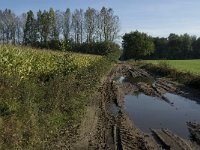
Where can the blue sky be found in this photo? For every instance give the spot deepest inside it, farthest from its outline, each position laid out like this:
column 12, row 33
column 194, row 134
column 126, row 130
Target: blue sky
column 155, row 17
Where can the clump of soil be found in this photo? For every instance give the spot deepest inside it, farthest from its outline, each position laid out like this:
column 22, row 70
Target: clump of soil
column 194, row 129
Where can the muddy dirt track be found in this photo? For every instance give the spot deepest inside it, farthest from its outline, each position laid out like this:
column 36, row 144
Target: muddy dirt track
column 105, row 128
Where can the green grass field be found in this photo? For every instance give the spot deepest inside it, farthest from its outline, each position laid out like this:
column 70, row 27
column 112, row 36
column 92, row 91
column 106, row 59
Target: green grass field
column 192, row 66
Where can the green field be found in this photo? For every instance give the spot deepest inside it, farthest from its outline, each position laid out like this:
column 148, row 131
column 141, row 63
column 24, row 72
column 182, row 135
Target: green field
column 192, row 66
column 28, row 62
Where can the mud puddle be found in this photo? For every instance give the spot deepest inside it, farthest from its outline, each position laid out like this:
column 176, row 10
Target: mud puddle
column 149, row 112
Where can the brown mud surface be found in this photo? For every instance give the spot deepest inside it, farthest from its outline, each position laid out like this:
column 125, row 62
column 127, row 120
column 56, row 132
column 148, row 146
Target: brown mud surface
column 105, row 128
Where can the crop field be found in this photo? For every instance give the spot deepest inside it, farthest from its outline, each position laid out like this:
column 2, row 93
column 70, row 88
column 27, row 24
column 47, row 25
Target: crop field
column 192, row 66
column 27, row 62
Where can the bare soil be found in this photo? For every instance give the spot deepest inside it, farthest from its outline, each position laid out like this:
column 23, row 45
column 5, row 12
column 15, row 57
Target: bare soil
column 104, row 129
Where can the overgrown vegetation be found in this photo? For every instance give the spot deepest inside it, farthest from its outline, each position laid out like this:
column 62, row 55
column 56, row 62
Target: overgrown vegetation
column 43, row 92
column 99, row 48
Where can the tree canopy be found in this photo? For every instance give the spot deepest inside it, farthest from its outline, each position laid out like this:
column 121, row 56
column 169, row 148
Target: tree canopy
column 176, row 47
column 52, row 28
column 137, row 45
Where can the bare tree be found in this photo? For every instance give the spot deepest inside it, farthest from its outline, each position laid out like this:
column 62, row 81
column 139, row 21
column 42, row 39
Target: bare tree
column 1, row 27
column 77, row 25
column 18, row 30
column 20, row 24
column 59, row 21
column 99, row 27
column 90, row 20
column 84, row 26
column 66, row 24
column 110, row 24
column 114, row 28
column 8, row 26
column 104, row 20
column 81, row 12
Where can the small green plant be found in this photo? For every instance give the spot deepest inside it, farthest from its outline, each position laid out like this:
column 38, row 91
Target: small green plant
column 4, row 109
column 164, row 64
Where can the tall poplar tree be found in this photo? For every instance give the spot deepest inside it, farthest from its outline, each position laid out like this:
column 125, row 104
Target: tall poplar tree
column 30, row 30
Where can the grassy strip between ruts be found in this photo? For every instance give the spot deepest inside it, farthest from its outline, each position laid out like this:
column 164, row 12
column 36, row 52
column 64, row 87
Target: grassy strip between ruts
column 43, row 92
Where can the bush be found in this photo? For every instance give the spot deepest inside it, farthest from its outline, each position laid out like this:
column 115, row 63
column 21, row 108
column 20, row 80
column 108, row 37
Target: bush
column 164, row 64
column 137, row 45
column 98, row 48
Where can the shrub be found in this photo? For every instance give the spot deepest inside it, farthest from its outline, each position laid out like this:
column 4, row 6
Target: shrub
column 99, row 48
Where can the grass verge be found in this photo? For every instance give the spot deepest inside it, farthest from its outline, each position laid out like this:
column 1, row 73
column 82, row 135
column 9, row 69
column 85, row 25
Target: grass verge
column 192, row 66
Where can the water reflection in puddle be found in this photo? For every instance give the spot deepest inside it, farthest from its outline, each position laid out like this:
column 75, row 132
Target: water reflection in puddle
column 138, row 79
column 121, row 79
column 135, row 80
column 150, row 112
column 114, row 109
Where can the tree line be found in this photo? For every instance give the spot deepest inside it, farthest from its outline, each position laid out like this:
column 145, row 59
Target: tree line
column 139, row 45
column 58, row 29
column 176, row 47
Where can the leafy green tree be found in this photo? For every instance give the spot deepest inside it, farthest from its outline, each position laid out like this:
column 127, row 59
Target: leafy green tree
column 66, row 24
column 45, row 28
column 30, row 30
column 53, row 39
column 160, row 48
column 39, row 26
column 53, row 32
column 179, row 47
column 174, row 46
column 186, row 46
column 137, row 45
column 196, row 48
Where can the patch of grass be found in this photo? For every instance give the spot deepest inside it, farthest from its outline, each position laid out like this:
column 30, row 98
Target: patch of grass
column 184, row 77
column 192, row 66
